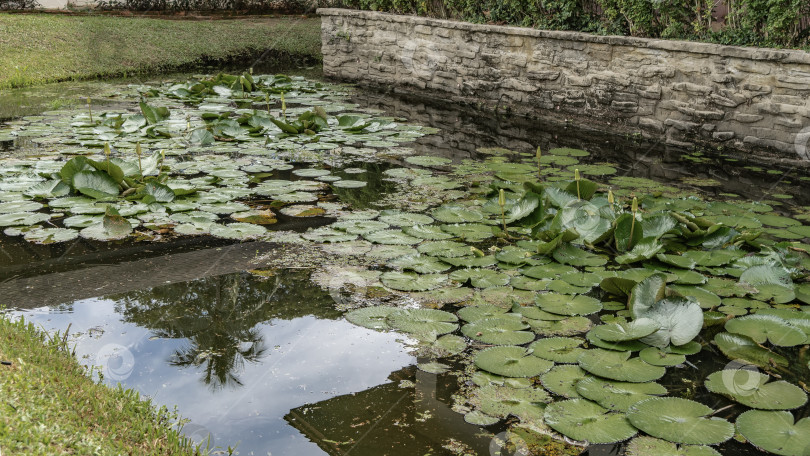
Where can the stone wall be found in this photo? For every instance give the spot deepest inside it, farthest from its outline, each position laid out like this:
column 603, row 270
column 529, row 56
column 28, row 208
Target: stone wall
column 688, row 94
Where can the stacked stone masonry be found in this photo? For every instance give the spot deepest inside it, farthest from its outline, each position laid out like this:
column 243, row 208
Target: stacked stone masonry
column 686, row 93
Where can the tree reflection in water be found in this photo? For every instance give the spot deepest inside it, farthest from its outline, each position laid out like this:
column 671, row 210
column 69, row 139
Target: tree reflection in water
column 219, row 317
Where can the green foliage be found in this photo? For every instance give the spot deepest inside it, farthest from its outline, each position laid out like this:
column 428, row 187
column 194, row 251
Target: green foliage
column 770, row 23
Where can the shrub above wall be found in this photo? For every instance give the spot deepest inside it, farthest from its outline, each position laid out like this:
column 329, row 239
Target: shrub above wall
column 767, row 23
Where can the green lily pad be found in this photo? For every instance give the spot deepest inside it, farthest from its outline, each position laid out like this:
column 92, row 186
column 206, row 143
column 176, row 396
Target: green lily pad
column 744, row 349
column 762, row 328
column 371, row 317
column 561, row 380
column 480, row 278
column 423, row 321
column 615, row 395
column 680, row 421
column 240, row 231
column 502, row 401
column 407, row 281
column 50, row 235
column 680, row 321
column 391, row 237
column 569, row 254
column 566, row 327
column 659, row 357
column 619, row 366
column 404, row 219
column 470, row 232
column 446, row 295
column 558, row 349
column 457, row 214
column 751, row 388
column 475, row 313
column 427, row 232
column 649, row 446
column 480, row 418
column 775, row 432
column 422, row 264
column 584, row 420
column 511, row 362
column 567, row 304
column 450, row 249
column 498, row 331
column 624, row 331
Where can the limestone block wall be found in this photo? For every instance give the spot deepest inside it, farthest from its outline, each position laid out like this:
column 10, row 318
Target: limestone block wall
column 684, row 93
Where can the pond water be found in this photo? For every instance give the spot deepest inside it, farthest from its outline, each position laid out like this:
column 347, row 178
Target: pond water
column 227, row 297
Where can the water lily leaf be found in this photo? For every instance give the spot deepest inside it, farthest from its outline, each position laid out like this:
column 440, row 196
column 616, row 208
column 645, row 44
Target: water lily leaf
column 450, row 249
column 73, row 166
column 19, row 206
column 327, row 234
column 643, row 250
column 349, row 183
column 239, row 231
column 502, row 401
column 775, row 432
column 470, row 261
column 624, row 227
column 479, row 418
column 391, row 237
column 480, row 278
column 713, row 258
column 705, row 298
column 567, row 304
column 615, row 395
column 408, row 281
column 422, row 264
column 659, row 357
column 535, row 313
column 524, row 207
column 618, row 286
column 423, row 321
column 646, row 293
column 584, row 420
column 447, row 295
column 433, row 367
column 744, row 349
column 619, row 366
column 566, row 327
column 588, row 220
column 360, row 226
column 767, row 275
column 649, row 446
column 628, row 345
column 256, row 217
column 470, row 232
column 50, row 235
column 48, row 189
column 428, row 232
column 475, row 313
column 680, row 319
column 623, row 331
column 506, row 296
column 752, row 389
column 161, row 193
column 680, row 421
column 561, row 380
column 767, row 327
column 371, row 317
column 511, row 362
column 456, row 214
column 404, row 219
column 498, row 331
column 558, row 349
column 95, row 184
column 676, row 260
column 569, row 254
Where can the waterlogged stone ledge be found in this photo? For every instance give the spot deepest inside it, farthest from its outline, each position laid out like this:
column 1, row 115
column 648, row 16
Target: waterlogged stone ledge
column 684, row 93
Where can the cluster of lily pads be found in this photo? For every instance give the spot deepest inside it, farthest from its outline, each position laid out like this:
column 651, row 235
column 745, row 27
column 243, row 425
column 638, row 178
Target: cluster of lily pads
column 570, row 305
column 208, row 156
column 567, row 300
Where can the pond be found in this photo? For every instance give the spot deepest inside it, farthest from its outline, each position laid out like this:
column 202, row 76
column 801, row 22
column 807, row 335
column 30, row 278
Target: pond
column 301, row 267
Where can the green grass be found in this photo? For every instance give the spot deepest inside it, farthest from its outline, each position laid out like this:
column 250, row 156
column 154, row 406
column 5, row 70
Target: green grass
column 48, row 405
column 40, row 48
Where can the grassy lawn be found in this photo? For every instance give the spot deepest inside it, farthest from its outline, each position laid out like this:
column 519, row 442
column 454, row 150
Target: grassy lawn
column 39, row 48
column 49, row 406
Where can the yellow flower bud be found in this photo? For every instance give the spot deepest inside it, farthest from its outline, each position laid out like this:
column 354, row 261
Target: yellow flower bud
column 501, row 198
column 107, row 150
column 634, row 207
column 611, row 198
column 576, row 174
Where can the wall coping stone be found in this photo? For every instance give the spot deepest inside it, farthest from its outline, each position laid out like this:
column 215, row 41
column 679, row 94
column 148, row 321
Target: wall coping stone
column 752, row 53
